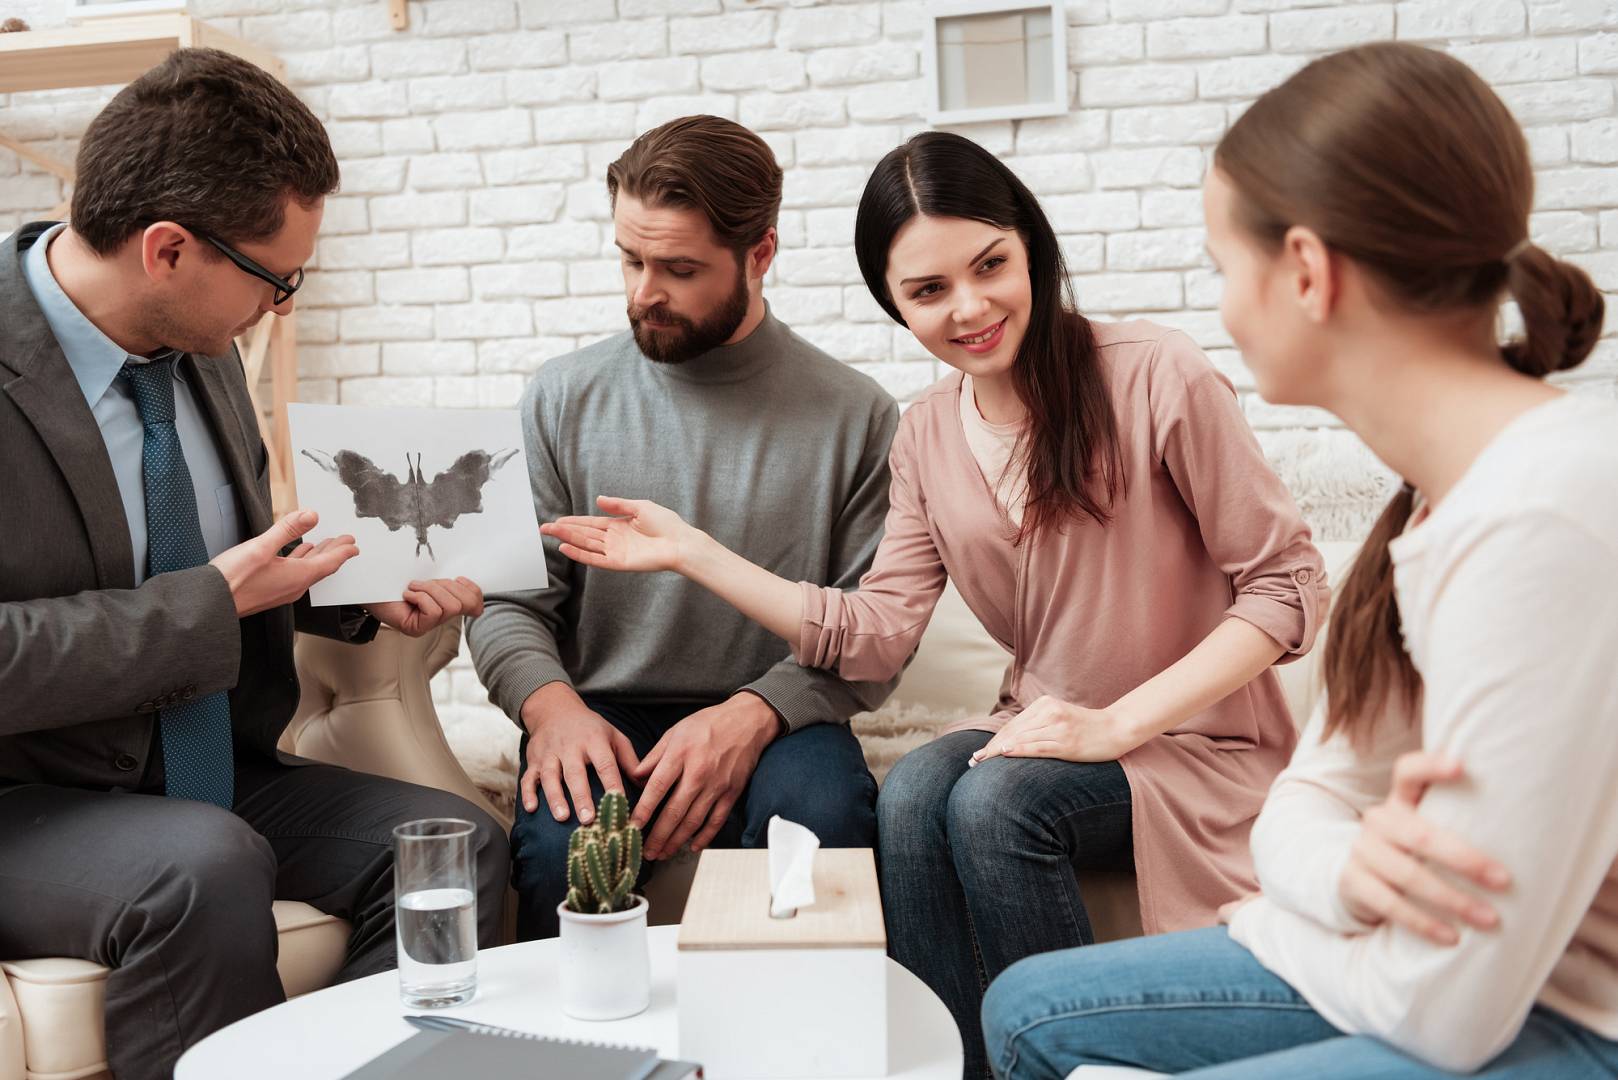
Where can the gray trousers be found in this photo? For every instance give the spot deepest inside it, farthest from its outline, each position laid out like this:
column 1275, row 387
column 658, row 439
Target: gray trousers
column 175, row 896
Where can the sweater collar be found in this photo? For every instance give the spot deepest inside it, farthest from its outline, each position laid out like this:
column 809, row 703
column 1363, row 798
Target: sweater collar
column 733, row 363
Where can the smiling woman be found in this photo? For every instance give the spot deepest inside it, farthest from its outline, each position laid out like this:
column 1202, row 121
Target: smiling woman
column 956, row 248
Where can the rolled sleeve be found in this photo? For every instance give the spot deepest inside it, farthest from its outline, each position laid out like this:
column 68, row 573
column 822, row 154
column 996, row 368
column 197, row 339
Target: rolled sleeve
column 1249, row 523
column 1287, row 605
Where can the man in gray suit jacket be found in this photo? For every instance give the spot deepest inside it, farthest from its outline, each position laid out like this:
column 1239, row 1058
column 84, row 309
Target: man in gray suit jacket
column 148, row 600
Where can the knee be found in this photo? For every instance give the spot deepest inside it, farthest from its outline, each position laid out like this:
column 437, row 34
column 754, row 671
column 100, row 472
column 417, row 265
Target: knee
column 915, row 793
column 491, row 851
column 987, row 808
column 840, row 813
column 1012, row 1007
column 538, row 850
column 210, row 870
column 974, row 814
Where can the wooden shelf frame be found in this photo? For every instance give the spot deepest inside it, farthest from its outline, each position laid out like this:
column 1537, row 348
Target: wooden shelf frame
column 112, row 51
column 109, row 52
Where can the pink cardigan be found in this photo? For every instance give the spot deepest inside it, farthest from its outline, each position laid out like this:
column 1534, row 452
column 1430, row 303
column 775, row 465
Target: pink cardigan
column 1206, row 532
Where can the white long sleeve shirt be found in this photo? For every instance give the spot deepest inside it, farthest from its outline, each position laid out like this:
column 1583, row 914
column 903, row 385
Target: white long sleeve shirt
column 1508, row 597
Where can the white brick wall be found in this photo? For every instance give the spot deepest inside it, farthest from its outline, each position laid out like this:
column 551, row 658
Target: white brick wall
column 474, row 146
column 471, row 240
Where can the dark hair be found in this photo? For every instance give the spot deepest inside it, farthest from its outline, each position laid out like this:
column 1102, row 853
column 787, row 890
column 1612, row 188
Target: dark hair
column 1402, row 159
column 207, row 140
column 1070, row 443
column 708, row 164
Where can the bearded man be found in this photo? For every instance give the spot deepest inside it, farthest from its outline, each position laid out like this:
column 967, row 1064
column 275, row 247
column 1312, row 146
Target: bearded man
column 708, row 404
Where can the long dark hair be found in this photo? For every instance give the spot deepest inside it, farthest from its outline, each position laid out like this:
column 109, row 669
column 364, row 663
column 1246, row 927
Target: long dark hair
column 1070, row 443
column 1402, row 159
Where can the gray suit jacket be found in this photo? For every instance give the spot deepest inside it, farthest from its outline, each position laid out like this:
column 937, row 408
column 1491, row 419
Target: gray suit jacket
column 87, row 660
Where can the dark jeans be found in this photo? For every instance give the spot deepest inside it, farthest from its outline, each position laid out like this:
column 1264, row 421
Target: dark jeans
column 1197, row 1004
column 977, row 864
column 815, row 776
column 175, row 895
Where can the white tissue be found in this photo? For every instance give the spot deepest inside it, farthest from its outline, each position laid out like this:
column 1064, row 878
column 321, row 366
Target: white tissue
column 792, row 866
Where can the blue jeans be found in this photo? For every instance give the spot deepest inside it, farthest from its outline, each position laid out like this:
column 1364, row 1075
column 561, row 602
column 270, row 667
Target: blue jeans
column 1198, row 1004
column 815, row 776
column 977, row 864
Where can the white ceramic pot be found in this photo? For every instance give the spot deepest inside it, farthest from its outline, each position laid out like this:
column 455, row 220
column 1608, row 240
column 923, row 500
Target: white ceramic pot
column 606, row 973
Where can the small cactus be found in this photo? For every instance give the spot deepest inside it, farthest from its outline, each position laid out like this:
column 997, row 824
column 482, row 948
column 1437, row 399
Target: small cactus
column 603, row 860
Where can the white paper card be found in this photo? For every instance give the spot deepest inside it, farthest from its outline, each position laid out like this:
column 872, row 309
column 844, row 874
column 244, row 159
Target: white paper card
column 426, row 493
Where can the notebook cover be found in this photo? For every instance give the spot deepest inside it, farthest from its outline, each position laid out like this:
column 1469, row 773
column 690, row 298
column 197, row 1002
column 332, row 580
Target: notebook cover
column 433, row 1055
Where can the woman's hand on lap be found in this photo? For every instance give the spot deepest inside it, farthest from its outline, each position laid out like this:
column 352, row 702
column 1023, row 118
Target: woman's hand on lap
column 1053, row 728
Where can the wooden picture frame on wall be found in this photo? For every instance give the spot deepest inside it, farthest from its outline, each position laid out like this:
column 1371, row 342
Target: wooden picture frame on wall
column 994, row 60
column 82, row 10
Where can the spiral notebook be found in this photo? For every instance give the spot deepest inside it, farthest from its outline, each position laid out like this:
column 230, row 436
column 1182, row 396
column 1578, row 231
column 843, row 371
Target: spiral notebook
column 433, row 1055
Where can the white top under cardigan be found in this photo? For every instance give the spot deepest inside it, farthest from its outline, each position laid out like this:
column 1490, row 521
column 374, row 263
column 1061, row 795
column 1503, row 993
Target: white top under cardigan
column 1508, row 596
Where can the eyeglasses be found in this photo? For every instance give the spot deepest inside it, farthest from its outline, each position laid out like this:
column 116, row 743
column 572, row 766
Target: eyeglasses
column 284, row 287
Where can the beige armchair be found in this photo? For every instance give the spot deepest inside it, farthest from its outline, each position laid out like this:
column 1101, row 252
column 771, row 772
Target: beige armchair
column 366, row 707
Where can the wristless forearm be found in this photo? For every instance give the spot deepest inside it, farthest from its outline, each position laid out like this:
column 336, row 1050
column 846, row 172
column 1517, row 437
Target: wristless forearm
column 771, row 601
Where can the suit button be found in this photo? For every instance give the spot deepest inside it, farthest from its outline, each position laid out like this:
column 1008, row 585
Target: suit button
column 126, row 762
column 188, row 693
column 1301, row 577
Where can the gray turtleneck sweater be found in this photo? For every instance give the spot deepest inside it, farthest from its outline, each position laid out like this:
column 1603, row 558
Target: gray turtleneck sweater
column 772, row 447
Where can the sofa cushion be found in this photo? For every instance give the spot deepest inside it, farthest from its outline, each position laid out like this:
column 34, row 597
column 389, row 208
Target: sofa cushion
column 958, row 666
column 59, row 1003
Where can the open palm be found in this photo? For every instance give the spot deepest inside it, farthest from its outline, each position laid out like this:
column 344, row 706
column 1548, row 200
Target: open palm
column 639, row 536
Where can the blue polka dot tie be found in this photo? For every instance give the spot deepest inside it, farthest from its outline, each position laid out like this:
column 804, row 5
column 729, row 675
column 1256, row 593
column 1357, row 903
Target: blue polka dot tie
column 196, row 734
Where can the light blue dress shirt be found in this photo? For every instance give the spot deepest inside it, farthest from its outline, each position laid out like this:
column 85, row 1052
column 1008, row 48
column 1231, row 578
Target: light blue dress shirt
column 96, row 361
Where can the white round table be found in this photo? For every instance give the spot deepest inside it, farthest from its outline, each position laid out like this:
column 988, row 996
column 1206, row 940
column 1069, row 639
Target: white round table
column 330, row 1033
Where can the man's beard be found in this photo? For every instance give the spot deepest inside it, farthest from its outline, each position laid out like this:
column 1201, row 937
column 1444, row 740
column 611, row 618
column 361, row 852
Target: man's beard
column 686, row 339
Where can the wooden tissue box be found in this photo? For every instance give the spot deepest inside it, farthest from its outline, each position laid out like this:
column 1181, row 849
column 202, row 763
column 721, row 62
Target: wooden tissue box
column 774, row 999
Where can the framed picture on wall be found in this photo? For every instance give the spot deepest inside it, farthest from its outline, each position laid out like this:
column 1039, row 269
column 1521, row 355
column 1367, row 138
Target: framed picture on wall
column 82, row 10
column 994, row 60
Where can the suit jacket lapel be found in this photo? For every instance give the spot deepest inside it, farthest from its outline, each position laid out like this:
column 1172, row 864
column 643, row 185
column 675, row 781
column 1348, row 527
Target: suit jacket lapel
column 41, row 384
column 223, row 397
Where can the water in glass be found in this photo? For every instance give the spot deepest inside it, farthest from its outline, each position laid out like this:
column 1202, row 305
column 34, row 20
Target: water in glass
column 438, row 946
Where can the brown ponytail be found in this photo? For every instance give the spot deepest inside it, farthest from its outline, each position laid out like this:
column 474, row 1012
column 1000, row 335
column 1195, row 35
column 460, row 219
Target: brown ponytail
column 1402, row 159
column 1561, row 312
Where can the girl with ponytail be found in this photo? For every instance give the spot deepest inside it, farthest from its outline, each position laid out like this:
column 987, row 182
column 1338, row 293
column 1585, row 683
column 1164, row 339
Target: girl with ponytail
column 1369, row 215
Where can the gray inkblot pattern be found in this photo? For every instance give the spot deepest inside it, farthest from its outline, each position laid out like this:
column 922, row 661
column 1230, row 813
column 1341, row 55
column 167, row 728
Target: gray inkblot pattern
column 414, row 501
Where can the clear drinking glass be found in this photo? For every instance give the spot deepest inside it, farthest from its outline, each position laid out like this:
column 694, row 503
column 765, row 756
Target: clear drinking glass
column 436, row 912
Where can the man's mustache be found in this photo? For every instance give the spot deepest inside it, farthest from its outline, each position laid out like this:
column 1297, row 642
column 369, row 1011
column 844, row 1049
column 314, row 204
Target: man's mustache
column 659, row 314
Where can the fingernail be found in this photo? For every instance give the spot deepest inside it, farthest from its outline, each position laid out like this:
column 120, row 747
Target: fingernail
column 585, row 816
column 560, row 811
column 1498, row 877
